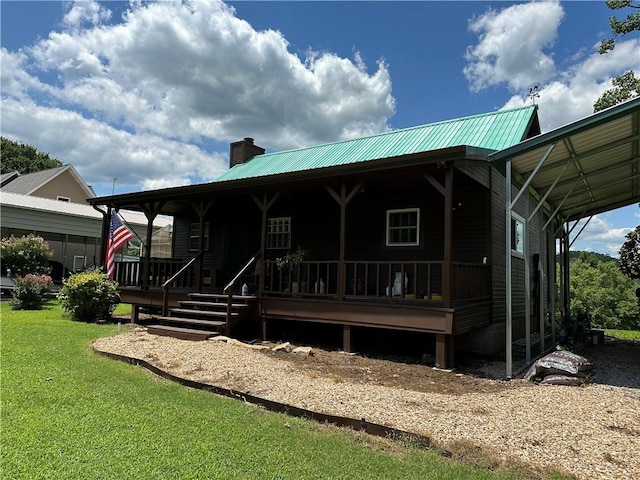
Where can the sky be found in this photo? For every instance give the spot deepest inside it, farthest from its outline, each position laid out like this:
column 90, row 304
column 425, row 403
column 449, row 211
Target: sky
column 143, row 95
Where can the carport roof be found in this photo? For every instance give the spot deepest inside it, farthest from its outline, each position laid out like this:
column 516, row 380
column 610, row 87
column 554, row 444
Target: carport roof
column 583, row 168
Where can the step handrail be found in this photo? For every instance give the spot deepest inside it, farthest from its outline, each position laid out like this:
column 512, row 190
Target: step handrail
column 241, row 272
column 229, row 288
column 167, row 284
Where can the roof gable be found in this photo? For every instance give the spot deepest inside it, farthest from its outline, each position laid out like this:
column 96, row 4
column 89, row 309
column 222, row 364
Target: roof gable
column 29, row 183
column 490, row 131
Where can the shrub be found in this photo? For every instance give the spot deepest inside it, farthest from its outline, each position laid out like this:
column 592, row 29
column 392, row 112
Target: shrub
column 26, row 254
column 89, row 296
column 30, row 292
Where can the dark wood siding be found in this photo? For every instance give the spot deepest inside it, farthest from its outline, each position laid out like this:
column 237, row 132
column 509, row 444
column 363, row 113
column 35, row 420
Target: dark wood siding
column 479, row 170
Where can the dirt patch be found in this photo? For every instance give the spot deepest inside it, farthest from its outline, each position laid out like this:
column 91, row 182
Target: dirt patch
column 395, row 373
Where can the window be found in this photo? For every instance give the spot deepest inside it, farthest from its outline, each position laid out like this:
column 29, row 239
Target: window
column 194, row 237
column 63, row 199
column 78, row 263
column 403, row 227
column 279, row 232
column 517, row 235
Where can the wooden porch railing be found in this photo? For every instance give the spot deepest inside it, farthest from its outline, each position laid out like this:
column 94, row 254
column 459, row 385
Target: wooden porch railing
column 471, row 281
column 421, row 280
column 315, row 278
column 130, row 273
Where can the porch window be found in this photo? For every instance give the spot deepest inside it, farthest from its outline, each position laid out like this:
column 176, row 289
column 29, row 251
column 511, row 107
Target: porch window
column 194, row 237
column 403, row 227
column 517, row 235
column 279, row 232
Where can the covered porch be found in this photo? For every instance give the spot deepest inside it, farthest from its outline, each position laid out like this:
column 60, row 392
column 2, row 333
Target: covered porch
column 439, row 283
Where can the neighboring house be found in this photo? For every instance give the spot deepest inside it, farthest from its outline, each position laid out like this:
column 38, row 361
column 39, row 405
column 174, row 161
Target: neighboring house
column 60, row 183
column 53, row 204
column 405, row 230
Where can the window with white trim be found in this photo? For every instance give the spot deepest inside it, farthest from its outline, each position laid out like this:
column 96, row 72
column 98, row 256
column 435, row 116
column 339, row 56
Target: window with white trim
column 279, row 232
column 194, row 237
column 517, row 235
column 403, row 227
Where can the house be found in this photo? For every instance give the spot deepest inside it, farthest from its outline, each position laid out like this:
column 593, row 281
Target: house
column 416, row 230
column 60, row 183
column 53, row 204
column 403, row 230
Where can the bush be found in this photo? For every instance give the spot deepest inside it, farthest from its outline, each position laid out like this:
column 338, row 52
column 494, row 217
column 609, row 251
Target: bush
column 30, row 292
column 26, row 254
column 89, row 296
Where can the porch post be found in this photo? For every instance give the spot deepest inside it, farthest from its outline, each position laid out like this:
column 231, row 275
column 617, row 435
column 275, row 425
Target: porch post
column 343, row 199
column 150, row 211
column 106, row 222
column 448, row 239
column 342, row 271
column 508, row 280
column 264, row 205
column 445, row 348
column 346, row 338
column 202, row 211
column 566, row 278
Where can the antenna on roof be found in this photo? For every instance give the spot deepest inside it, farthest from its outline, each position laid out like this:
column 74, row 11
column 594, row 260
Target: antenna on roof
column 533, row 93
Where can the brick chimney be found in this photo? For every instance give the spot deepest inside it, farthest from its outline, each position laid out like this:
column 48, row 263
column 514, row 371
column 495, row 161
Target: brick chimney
column 243, row 151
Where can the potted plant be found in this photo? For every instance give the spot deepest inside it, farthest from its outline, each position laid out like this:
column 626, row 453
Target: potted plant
column 291, row 264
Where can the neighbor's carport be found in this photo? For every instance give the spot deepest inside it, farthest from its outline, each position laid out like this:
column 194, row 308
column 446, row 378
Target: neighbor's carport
column 576, row 171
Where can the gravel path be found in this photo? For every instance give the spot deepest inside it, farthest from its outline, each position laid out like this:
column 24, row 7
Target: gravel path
column 591, row 432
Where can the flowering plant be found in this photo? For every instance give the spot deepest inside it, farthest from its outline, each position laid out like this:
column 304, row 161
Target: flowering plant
column 30, row 291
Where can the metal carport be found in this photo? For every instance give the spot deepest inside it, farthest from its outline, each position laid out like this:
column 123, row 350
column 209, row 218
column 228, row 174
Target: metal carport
column 576, row 171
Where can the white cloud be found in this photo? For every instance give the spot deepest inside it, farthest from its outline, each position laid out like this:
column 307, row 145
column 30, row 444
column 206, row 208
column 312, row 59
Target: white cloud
column 600, row 235
column 514, row 46
column 84, row 13
column 100, row 152
column 194, row 69
column 134, row 95
column 572, row 95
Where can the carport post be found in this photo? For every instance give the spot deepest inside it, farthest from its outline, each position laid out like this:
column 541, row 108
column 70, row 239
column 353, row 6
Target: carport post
column 508, row 317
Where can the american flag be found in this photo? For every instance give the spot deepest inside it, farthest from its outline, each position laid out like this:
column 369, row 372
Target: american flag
column 118, row 236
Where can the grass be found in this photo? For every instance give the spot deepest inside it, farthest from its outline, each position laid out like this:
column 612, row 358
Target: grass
column 68, row 413
column 624, row 334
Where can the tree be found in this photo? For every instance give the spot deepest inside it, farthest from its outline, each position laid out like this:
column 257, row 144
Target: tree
column 630, row 255
column 625, row 86
column 24, row 158
column 600, row 291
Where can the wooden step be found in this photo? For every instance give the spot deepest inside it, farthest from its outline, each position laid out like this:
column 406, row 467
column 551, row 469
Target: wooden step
column 222, row 296
column 204, row 313
column 180, row 332
column 191, row 321
column 196, row 303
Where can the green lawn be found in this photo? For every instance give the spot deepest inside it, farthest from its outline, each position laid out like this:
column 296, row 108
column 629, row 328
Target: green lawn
column 624, row 334
column 67, row 413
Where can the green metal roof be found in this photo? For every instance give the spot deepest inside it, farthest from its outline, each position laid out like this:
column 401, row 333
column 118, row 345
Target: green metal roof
column 490, row 131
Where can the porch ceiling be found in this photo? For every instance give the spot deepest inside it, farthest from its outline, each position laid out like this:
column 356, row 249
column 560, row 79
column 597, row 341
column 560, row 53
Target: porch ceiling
column 592, row 165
